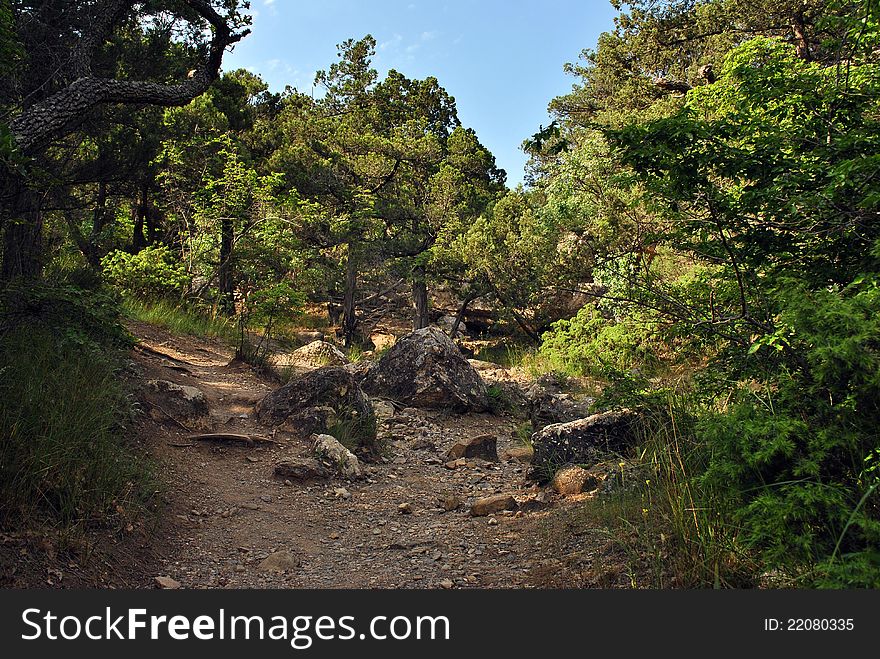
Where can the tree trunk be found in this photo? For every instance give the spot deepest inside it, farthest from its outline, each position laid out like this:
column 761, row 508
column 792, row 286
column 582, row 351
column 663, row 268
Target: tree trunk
column 152, row 218
column 227, row 285
column 23, row 238
column 99, row 221
column 349, row 315
column 420, row 298
column 798, row 26
column 460, row 315
column 138, row 241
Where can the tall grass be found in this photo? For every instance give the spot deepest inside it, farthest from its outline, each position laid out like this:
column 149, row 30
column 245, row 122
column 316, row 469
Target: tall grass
column 63, row 453
column 180, row 319
column 675, row 532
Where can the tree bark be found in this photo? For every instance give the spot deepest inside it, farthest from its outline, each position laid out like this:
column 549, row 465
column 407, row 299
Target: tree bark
column 420, row 298
column 52, row 117
column 23, row 238
column 227, row 285
column 349, row 313
column 99, row 221
column 799, row 28
column 460, row 315
column 138, row 241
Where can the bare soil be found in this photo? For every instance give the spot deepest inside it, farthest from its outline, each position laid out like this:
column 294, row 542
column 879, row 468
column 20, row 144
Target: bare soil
column 225, row 512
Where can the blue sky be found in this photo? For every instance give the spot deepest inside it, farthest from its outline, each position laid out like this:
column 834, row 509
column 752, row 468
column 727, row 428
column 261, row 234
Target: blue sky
column 501, row 60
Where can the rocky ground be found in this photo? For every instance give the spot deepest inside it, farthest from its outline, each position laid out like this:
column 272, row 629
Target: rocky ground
column 408, row 524
column 227, row 520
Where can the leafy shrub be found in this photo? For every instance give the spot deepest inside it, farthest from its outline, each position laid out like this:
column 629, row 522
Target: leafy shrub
column 589, row 344
column 797, row 459
column 153, row 273
column 74, row 316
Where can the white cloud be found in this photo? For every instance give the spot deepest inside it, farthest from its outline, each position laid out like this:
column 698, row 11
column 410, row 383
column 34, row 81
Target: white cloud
column 392, row 43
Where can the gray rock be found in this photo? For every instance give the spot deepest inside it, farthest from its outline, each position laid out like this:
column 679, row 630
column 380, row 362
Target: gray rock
column 483, row 446
column 425, row 369
column 280, row 561
column 324, row 399
column 178, row 400
column 302, row 469
column 583, row 442
column 332, row 454
column 548, row 407
column 317, row 354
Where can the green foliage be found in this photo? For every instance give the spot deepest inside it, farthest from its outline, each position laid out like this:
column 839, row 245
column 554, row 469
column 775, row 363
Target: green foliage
column 797, row 458
column 62, row 423
column 590, row 344
column 152, row 274
column 180, row 319
column 76, row 317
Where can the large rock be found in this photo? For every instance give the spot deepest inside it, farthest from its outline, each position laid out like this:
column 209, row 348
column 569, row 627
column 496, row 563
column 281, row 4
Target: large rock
column 547, row 406
column 178, row 400
column 583, row 442
column 317, row 354
column 484, row 447
column 425, row 369
column 327, row 399
column 336, row 457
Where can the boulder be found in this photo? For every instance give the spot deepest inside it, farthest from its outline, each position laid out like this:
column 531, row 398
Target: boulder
column 584, row 442
column 178, row 400
column 493, row 504
column 484, row 447
column 572, row 479
column 317, row 354
column 445, row 323
column 547, row 407
column 302, row 469
column 333, row 455
column 324, row 399
column 425, row 369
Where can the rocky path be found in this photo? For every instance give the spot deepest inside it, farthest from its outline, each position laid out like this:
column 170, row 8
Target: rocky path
column 235, row 524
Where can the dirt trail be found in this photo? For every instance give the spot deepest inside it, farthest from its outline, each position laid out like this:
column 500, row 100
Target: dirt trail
column 228, row 512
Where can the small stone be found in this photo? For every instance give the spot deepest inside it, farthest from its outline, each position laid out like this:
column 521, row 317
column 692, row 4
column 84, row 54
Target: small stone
column 449, row 502
column 342, row 493
column 377, row 531
column 251, row 459
column 280, row 561
column 493, row 504
column 483, row 446
column 405, row 509
column 572, row 480
column 167, row 583
column 447, row 584
column 334, row 536
column 493, row 521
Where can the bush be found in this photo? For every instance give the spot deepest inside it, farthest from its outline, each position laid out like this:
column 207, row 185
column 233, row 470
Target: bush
column 797, row 457
column 153, row 273
column 75, row 317
column 62, row 455
column 589, row 344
